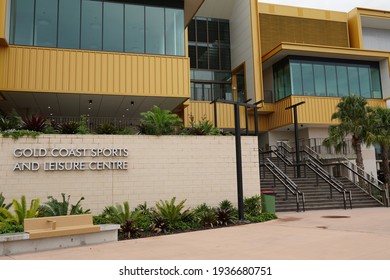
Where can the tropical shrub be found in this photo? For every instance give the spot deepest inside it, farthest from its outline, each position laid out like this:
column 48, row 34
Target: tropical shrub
column 170, row 215
column 205, row 215
column 159, row 122
column 11, row 229
column 21, row 212
column 10, row 121
column 105, row 128
column 53, row 207
column 203, row 127
column 70, row 127
column 34, row 123
column 252, row 205
column 2, row 202
column 121, row 214
column 16, row 134
column 226, row 213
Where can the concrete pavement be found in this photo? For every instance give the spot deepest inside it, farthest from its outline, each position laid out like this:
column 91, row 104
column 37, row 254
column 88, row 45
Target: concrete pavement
column 358, row 234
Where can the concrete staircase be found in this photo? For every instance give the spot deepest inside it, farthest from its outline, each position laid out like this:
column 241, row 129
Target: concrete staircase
column 317, row 196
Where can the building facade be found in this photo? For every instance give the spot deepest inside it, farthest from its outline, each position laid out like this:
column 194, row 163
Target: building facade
column 115, row 59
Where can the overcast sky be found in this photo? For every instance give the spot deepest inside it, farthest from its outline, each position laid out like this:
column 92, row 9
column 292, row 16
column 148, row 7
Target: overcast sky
column 335, row 5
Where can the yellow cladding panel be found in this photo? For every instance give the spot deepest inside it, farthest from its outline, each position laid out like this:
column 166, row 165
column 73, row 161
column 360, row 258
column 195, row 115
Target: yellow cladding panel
column 275, row 29
column 3, row 18
column 256, row 50
column 204, row 110
column 355, row 29
column 319, row 110
column 279, row 118
column 74, row 71
column 282, row 10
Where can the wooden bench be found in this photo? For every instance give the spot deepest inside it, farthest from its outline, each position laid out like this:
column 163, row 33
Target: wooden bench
column 60, row 226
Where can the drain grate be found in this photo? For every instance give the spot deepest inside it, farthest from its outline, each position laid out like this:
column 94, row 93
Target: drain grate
column 336, row 217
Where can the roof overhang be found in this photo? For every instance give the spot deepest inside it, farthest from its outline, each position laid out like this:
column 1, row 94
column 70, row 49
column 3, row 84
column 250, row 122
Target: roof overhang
column 191, row 7
column 286, row 49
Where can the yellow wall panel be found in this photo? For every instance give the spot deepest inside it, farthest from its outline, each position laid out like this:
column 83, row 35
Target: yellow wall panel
column 203, row 109
column 74, row 71
column 3, row 18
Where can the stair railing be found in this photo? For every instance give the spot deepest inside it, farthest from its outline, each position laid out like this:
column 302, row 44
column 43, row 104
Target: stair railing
column 360, row 178
column 368, row 183
column 333, row 183
column 289, row 185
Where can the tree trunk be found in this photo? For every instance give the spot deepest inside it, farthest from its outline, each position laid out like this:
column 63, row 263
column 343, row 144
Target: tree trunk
column 357, row 143
column 385, row 162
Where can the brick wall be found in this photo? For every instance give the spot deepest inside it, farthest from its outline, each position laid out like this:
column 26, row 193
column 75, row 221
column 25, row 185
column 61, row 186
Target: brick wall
column 197, row 168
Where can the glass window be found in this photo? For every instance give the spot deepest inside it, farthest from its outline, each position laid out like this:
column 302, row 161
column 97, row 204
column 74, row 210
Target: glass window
column 296, row 79
column 213, row 32
column 134, row 28
column 225, row 58
column 331, row 80
column 202, row 57
column 113, row 27
column 91, row 25
column 319, row 79
column 214, row 56
column 69, row 24
column 45, row 33
column 174, row 28
column 364, row 81
column 191, row 31
column 376, row 83
column 201, row 30
column 155, row 39
column 224, row 33
column 353, row 80
column 308, row 79
column 192, row 55
column 342, row 80
column 287, row 80
column 23, row 22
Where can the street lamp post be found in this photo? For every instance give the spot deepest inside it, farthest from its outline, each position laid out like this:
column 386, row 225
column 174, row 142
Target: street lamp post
column 297, row 153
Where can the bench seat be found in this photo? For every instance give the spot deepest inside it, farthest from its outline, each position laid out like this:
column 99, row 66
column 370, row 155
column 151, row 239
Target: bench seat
column 60, row 226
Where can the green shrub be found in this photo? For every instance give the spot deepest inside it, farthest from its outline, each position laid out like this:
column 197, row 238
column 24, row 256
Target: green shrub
column 126, row 131
column 159, row 122
column 34, row 123
column 21, row 212
column 105, row 128
column 70, row 127
column 252, row 205
column 262, row 217
column 2, row 202
column 170, row 216
column 10, row 121
column 226, row 213
column 16, row 134
column 205, row 215
column 11, row 229
column 53, row 207
column 203, row 127
column 82, row 125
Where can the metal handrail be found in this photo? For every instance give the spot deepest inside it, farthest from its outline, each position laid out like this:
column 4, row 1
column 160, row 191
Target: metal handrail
column 289, row 185
column 373, row 183
column 332, row 182
column 357, row 171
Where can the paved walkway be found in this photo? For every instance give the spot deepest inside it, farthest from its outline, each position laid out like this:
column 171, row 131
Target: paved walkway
column 319, row 235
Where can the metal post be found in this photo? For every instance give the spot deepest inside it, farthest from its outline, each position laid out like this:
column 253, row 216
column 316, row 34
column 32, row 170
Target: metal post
column 215, row 114
column 240, row 193
column 297, row 153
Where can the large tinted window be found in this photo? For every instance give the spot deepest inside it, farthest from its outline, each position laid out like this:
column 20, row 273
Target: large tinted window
column 155, row 39
column 134, row 28
column 326, row 78
column 23, row 22
column 113, row 27
column 91, row 25
column 45, row 33
column 174, row 22
column 69, row 14
column 99, row 25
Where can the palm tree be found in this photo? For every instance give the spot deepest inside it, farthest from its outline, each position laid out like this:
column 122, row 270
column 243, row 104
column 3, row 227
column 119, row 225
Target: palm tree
column 380, row 134
column 352, row 113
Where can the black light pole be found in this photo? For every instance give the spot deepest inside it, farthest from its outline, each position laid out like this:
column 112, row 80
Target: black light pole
column 247, row 117
column 240, row 193
column 297, row 154
column 215, row 112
